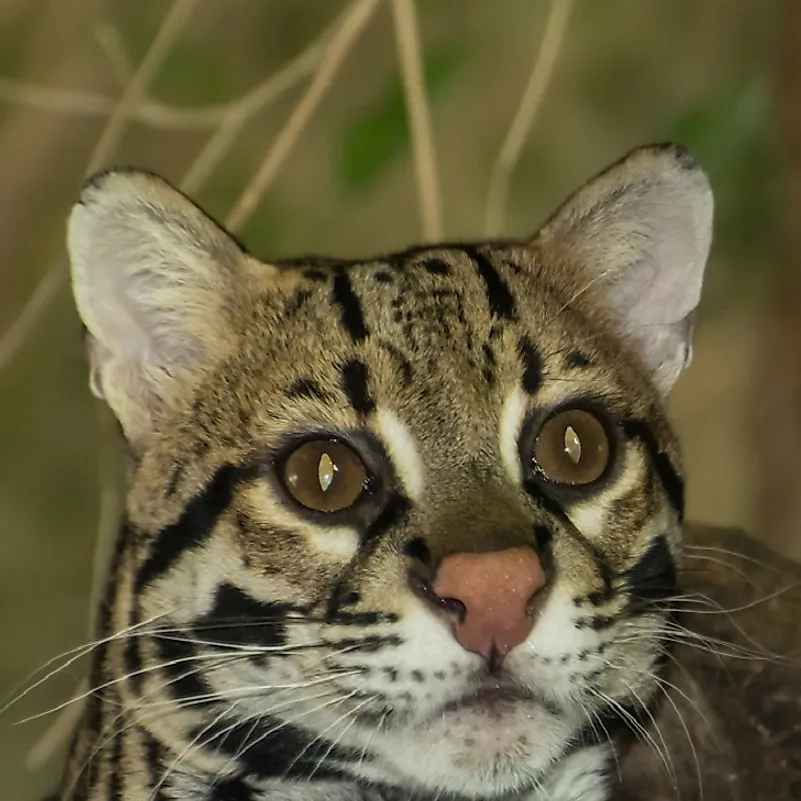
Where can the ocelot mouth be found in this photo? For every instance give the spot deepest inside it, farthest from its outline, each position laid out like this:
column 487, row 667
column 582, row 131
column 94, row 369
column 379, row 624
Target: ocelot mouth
column 493, row 697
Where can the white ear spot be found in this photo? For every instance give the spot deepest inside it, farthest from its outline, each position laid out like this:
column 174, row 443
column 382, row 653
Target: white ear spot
column 512, row 414
column 403, row 450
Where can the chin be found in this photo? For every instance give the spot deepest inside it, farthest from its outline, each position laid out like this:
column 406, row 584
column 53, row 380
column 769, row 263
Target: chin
column 480, row 748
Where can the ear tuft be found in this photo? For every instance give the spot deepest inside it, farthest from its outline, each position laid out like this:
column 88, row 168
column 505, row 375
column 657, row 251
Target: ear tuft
column 640, row 234
column 150, row 274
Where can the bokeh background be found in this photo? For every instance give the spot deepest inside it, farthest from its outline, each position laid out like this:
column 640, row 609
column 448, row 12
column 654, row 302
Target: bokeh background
column 721, row 76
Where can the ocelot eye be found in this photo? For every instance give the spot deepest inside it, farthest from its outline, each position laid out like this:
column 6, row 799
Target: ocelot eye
column 572, row 447
column 324, row 475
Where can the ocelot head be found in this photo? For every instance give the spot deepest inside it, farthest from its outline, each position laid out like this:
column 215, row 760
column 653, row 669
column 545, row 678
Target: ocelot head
column 409, row 522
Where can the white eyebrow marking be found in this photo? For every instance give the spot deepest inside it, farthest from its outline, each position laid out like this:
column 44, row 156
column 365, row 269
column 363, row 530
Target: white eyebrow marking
column 514, row 409
column 403, row 450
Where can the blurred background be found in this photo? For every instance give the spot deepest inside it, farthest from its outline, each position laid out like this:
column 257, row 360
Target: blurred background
column 308, row 97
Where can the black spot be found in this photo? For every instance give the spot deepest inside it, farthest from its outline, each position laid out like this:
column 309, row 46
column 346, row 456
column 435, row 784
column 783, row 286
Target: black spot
column 418, row 550
column 654, row 576
column 577, row 359
column 306, row 388
column 369, row 644
column 383, row 277
column 500, row 299
column 349, row 307
column 595, row 622
column 668, row 475
column 391, row 674
column 532, row 365
column 436, row 266
column 354, row 384
column 418, row 676
column 236, row 618
column 231, row 790
column 195, row 525
column 315, row 274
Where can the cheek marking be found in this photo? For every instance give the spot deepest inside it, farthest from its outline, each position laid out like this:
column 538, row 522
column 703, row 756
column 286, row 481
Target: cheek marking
column 514, row 408
column 402, row 449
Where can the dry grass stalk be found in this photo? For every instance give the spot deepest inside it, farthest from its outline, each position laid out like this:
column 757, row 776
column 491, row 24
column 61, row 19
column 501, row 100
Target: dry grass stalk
column 357, row 15
column 410, row 59
column 530, row 103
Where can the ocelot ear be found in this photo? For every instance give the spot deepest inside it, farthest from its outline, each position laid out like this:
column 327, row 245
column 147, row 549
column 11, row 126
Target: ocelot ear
column 151, row 275
column 639, row 234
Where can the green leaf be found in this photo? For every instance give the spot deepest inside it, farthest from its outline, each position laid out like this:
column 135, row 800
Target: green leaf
column 380, row 134
column 730, row 133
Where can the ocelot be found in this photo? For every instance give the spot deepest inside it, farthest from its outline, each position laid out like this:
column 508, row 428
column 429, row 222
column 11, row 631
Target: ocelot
column 405, row 527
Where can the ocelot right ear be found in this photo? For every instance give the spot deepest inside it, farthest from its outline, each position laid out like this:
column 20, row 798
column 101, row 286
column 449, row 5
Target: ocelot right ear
column 639, row 235
column 154, row 280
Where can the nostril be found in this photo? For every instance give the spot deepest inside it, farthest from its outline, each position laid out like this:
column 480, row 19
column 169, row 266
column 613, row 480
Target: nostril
column 454, row 607
column 423, row 587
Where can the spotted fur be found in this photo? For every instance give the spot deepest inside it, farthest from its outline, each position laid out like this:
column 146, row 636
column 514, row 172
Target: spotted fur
column 249, row 650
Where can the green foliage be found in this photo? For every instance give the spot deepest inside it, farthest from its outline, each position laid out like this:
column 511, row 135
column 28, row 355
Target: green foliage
column 380, row 133
column 731, row 133
column 194, row 74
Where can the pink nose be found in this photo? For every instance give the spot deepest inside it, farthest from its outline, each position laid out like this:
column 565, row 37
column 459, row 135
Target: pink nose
column 495, row 589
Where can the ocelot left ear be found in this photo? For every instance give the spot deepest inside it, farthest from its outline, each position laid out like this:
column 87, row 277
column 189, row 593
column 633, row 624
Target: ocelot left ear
column 639, row 235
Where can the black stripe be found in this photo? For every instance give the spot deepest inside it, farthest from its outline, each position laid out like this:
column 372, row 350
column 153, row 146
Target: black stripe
column 354, row 383
column 115, row 769
column 271, row 748
column 178, row 657
column 668, row 475
column 532, row 365
column 231, row 790
column 500, row 299
column 577, row 359
column 236, row 618
column 350, row 308
column 654, row 576
column 195, row 525
column 152, row 756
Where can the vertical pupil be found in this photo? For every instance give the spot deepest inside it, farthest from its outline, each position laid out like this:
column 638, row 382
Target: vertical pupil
column 572, row 445
column 325, row 472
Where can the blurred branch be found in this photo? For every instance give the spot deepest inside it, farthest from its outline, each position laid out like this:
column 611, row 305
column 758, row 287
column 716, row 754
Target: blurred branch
column 530, row 103
column 113, row 47
column 50, row 283
column 26, row 320
column 133, row 94
column 233, row 116
column 357, row 15
column 407, row 37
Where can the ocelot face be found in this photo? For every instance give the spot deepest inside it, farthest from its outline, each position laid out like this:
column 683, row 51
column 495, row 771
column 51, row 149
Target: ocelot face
column 412, row 520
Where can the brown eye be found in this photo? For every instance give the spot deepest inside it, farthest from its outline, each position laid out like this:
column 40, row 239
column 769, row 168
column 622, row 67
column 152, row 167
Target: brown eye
column 572, row 448
column 324, row 475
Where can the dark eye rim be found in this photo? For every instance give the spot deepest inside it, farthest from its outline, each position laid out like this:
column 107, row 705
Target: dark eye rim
column 375, row 483
column 531, row 427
